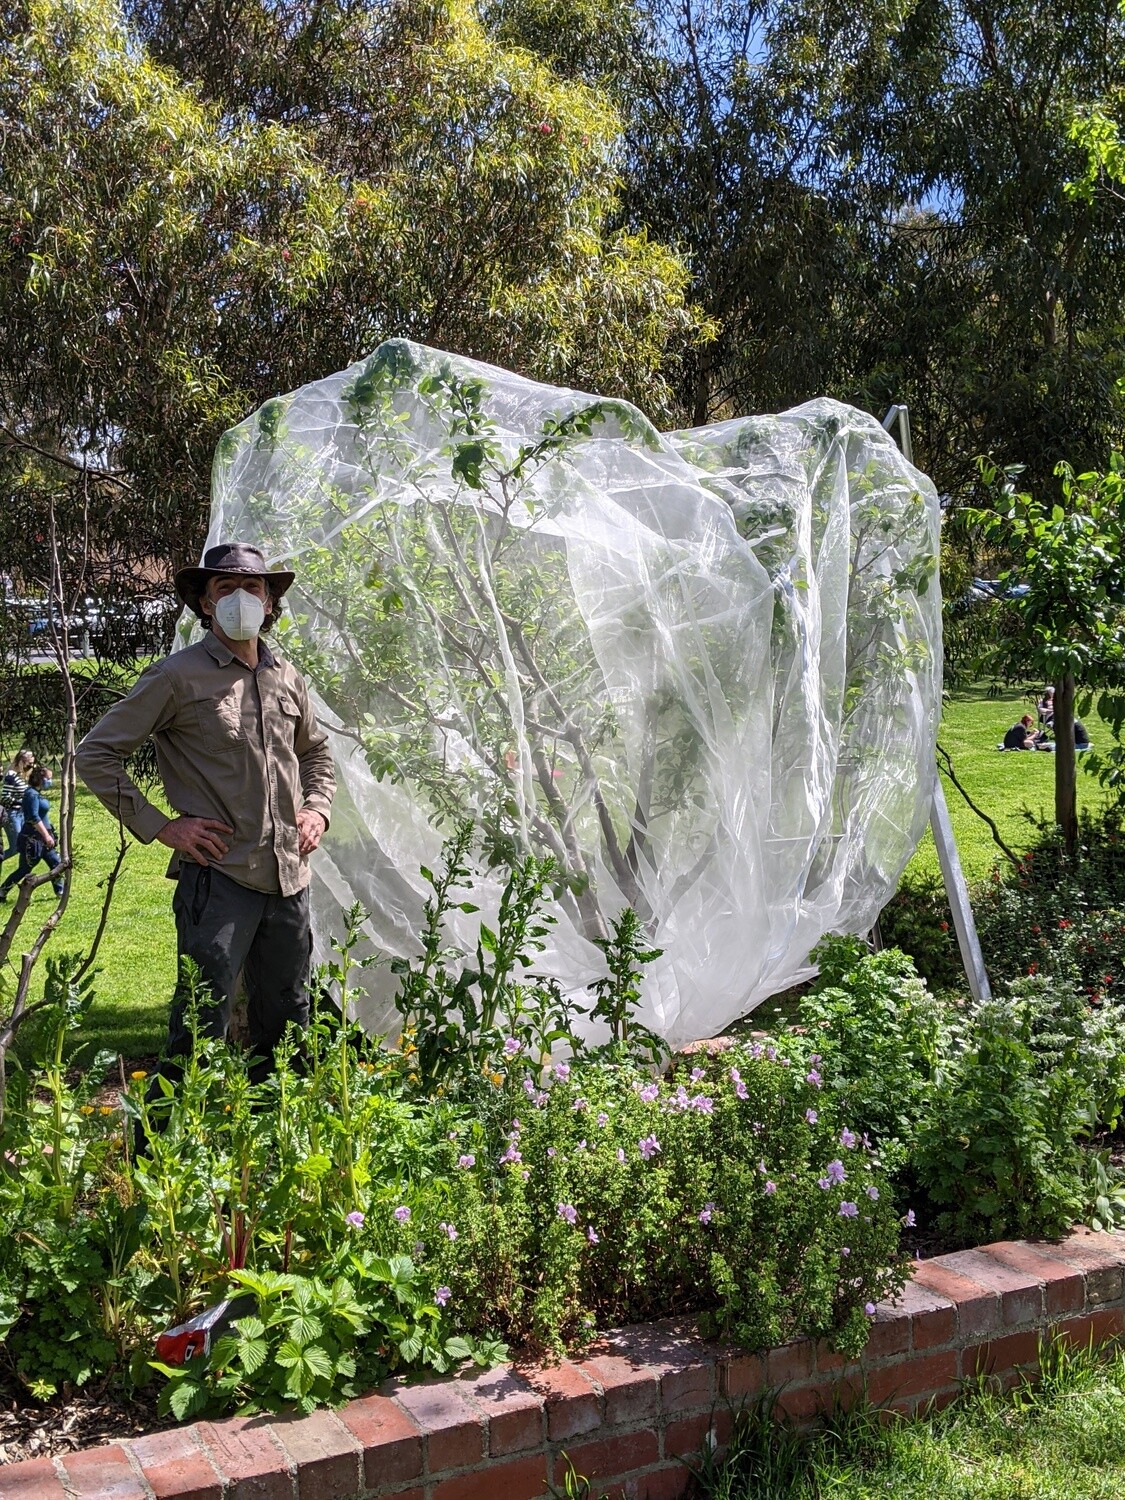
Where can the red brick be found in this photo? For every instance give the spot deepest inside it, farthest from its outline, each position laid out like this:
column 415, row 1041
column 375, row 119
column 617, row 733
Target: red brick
column 629, row 1391
column 1064, row 1286
column 175, row 1467
column 250, row 1458
column 417, row 1493
column 742, row 1375
column 613, row 1457
column 1100, row 1323
column 662, row 1484
column 1021, row 1294
column 33, row 1479
column 1100, row 1257
column 688, row 1435
column 105, row 1473
column 519, row 1479
column 803, row 1404
column 920, row 1376
column 328, row 1457
column 1001, row 1355
column 933, row 1318
column 790, row 1362
column 890, row 1333
column 683, row 1363
column 391, row 1442
column 691, row 1385
column 978, row 1310
column 511, row 1409
column 453, row 1431
column 572, row 1404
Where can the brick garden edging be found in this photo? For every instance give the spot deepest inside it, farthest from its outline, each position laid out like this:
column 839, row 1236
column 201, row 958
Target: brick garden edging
column 625, row 1413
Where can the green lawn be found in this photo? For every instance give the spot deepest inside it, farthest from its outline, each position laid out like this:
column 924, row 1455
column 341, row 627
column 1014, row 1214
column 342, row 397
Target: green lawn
column 137, row 959
column 1007, row 786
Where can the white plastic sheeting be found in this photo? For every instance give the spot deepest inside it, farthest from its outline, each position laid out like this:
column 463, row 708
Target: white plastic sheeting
column 701, row 669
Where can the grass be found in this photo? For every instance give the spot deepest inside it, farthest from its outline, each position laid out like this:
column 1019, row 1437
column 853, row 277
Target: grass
column 1063, row 1439
column 1012, row 788
column 137, row 961
column 137, row 958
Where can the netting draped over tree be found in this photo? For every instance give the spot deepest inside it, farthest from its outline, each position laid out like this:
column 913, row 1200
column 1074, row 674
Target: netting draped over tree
column 700, row 670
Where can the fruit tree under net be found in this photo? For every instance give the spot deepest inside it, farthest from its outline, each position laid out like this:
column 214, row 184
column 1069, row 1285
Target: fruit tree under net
column 699, row 670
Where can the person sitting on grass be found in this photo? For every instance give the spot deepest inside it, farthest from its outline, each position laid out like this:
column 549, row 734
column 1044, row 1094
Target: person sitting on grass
column 37, row 836
column 1046, row 707
column 1021, row 736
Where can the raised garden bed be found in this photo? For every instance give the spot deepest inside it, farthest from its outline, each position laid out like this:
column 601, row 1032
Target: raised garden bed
column 628, row 1413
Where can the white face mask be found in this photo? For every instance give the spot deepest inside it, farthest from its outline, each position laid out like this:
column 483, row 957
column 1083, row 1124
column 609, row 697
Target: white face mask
column 240, row 615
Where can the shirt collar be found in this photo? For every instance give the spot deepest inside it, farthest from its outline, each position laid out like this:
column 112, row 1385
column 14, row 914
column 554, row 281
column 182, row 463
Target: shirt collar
column 224, row 655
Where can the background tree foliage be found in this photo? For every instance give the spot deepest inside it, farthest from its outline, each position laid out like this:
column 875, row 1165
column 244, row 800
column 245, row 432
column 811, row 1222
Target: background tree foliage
column 707, row 207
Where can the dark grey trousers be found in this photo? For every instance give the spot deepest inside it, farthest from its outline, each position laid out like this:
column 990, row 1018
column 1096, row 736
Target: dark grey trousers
column 228, row 929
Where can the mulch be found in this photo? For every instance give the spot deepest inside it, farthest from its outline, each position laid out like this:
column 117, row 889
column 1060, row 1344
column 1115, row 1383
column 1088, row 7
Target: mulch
column 74, row 1420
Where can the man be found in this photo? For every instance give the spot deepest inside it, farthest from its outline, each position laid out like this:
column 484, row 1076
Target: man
column 249, row 773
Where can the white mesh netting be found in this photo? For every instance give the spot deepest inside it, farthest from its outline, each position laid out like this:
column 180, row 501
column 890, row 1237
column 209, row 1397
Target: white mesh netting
column 701, row 669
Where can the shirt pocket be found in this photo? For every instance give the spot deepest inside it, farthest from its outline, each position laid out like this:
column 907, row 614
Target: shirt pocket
column 220, row 722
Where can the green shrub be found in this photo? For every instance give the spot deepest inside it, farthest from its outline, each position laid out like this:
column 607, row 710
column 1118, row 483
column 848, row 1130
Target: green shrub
column 996, row 1152
column 883, row 1037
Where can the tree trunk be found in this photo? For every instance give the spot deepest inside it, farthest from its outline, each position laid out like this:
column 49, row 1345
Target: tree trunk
column 1066, row 769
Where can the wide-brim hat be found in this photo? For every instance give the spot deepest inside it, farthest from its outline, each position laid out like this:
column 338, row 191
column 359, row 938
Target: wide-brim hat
column 229, row 557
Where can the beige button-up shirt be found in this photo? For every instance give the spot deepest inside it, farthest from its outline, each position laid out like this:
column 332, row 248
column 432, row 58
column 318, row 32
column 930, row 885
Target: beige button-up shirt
column 232, row 743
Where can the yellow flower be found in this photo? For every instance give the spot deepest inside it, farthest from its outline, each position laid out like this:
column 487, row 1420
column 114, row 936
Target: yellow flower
column 140, row 1073
column 106, row 1109
column 87, row 1109
column 496, row 1078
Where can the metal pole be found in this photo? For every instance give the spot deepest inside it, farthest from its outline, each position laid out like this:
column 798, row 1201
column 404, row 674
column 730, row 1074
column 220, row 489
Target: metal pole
column 956, row 888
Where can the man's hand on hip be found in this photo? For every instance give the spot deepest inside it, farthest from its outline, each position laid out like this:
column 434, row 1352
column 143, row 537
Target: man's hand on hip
column 197, row 837
column 310, row 830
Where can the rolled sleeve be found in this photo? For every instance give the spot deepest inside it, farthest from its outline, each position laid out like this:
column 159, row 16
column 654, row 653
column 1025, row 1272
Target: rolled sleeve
column 119, row 733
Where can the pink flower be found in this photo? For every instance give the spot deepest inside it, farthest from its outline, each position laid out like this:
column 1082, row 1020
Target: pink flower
column 402, row 1214
column 551, row 1151
column 467, row 1160
column 848, row 1210
column 908, row 1219
column 873, row 1194
column 835, row 1171
column 511, row 1047
column 442, row 1295
column 845, row 1249
column 811, row 1116
column 770, row 1187
column 562, row 1071
column 581, row 1146
column 704, row 1104
column 450, row 1231
column 869, row 1309
column 620, row 1154
column 568, row 1212
column 813, row 1077
column 649, row 1092
column 511, row 1155
column 735, row 1075
column 355, row 1219
column 603, row 1118
column 697, row 1074
column 649, row 1146
column 847, row 1139
column 741, row 1090
column 528, row 1087
column 540, row 1099
column 706, row 1212
column 579, row 1105
column 591, row 1234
